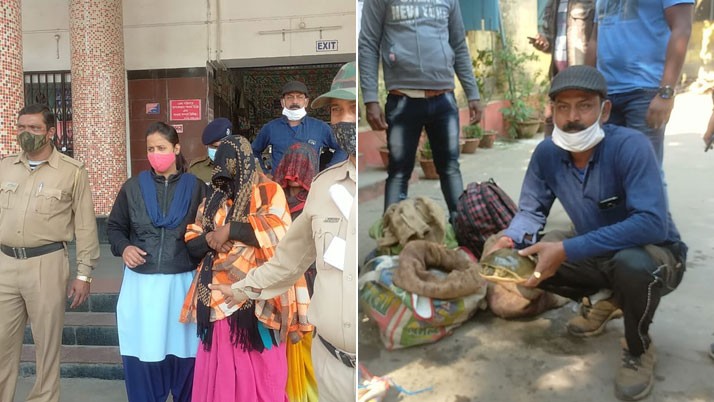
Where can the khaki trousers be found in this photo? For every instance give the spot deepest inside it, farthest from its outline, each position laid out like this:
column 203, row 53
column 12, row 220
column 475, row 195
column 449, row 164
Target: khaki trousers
column 335, row 381
column 35, row 288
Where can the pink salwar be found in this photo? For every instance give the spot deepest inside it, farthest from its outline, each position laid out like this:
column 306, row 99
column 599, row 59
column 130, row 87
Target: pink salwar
column 227, row 373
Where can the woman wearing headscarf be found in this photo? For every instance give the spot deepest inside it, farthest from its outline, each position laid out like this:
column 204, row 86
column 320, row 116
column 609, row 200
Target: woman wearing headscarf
column 146, row 228
column 295, row 172
column 242, row 356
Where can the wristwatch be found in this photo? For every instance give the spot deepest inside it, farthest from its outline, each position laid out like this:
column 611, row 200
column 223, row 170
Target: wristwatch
column 85, row 278
column 666, row 92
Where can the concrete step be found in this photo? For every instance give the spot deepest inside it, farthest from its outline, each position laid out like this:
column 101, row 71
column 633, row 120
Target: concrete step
column 102, row 362
column 97, row 303
column 95, row 329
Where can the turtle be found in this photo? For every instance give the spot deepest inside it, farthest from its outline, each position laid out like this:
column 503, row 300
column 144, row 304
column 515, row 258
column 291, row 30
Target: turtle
column 506, row 265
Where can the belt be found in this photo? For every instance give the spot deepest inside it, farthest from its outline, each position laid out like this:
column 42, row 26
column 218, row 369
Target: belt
column 23, row 253
column 428, row 93
column 346, row 359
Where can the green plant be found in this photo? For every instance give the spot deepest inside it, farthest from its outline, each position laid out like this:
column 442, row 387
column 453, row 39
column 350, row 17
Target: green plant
column 473, row 131
column 425, row 151
column 525, row 92
column 485, row 73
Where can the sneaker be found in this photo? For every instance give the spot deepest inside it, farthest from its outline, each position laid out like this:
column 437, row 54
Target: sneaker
column 593, row 318
column 711, row 350
column 635, row 376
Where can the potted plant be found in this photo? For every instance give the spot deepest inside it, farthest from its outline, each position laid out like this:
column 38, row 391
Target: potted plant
column 426, row 160
column 384, row 154
column 472, row 138
column 487, row 139
column 523, row 92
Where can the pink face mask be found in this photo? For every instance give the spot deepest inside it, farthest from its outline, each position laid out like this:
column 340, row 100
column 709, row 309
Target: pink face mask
column 161, row 162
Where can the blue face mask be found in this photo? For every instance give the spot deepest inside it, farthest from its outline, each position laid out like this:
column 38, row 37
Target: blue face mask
column 212, row 153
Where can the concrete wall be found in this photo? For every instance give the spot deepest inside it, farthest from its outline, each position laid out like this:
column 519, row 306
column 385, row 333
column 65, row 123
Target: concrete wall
column 45, row 30
column 187, row 33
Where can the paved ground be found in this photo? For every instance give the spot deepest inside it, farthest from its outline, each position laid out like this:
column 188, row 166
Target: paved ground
column 79, row 390
column 491, row 359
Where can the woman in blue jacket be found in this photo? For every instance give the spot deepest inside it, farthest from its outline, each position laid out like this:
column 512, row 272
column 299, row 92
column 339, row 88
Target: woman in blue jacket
column 146, row 228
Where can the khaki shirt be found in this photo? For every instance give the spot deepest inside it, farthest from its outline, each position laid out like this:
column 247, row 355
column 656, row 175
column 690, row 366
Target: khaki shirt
column 202, row 168
column 333, row 308
column 52, row 203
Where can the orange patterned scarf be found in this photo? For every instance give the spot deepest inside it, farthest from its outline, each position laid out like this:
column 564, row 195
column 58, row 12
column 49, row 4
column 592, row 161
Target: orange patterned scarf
column 270, row 218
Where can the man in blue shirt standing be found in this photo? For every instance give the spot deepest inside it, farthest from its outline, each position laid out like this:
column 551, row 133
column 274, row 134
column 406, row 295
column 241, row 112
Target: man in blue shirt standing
column 295, row 126
column 639, row 46
column 608, row 180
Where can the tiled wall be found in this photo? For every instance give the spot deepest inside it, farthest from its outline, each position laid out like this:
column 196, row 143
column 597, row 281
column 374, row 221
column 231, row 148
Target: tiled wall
column 11, row 87
column 161, row 86
column 98, row 96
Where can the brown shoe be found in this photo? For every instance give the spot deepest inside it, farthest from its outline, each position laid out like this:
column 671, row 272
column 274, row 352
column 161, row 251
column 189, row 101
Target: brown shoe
column 593, row 318
column 635, row 376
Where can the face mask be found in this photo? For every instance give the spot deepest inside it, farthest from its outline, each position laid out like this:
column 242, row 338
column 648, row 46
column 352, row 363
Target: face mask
column 31, row 142
column 346, row 138
column 294, row 114
column 161, row 162
column 579, row 141
column 212, row 153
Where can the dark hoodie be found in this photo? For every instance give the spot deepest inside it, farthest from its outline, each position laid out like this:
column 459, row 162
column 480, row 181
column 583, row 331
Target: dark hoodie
column 421, row 43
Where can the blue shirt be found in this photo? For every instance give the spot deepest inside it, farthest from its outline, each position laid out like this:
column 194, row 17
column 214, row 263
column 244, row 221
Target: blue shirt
column 281, row 136
column 619, row 203
column 632, row 39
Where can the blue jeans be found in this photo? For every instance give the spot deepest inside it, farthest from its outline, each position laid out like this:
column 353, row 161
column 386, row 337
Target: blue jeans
column 629, row 109
column 406, row 118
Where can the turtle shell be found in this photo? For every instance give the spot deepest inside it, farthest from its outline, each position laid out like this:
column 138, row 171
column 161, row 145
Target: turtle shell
column 506, row 265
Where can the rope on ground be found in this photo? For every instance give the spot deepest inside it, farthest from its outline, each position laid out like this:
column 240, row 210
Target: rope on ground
column 373, row 388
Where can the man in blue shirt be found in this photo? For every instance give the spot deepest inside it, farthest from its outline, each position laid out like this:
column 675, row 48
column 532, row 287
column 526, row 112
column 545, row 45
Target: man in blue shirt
column 639, row 46
column 623, row 239
column 295, row 126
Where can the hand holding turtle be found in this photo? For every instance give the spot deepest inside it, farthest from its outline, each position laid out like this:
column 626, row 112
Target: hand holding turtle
column 550, row 257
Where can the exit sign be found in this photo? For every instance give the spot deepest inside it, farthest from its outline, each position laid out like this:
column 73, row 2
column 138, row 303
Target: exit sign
column 326, row 45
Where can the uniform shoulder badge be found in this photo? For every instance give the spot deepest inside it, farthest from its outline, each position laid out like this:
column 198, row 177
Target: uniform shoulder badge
column 328, row 170
column 9, row 156
column 71, row 161
column 197, row 161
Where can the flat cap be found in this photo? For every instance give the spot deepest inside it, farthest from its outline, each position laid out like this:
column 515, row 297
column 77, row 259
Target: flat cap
column 217, row 130
column 584, row 78
column 294, row 86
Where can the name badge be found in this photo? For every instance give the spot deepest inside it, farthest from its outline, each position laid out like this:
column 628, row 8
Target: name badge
column 335, row 253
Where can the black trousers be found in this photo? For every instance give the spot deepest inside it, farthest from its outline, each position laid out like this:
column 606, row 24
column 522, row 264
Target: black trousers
column 152, row 381
column 638, row 278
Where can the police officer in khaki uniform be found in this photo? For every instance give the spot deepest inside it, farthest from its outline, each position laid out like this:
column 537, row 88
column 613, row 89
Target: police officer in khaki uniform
column 325, row 232
column 214, row 132
column 45, row 202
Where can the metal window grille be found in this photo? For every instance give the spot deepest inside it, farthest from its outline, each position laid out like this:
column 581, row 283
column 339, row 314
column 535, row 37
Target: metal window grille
column 54, row 89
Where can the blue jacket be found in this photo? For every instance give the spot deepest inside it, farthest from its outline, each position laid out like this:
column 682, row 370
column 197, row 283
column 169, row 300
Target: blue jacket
column 619, row 202
column 281, row 136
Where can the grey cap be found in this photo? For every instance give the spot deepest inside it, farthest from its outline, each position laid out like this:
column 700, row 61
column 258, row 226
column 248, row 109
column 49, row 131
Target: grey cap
column 294, row 86
column 584, row 78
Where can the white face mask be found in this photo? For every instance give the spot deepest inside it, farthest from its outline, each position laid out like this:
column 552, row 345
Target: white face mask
column 294, row 114
column 579, row 141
